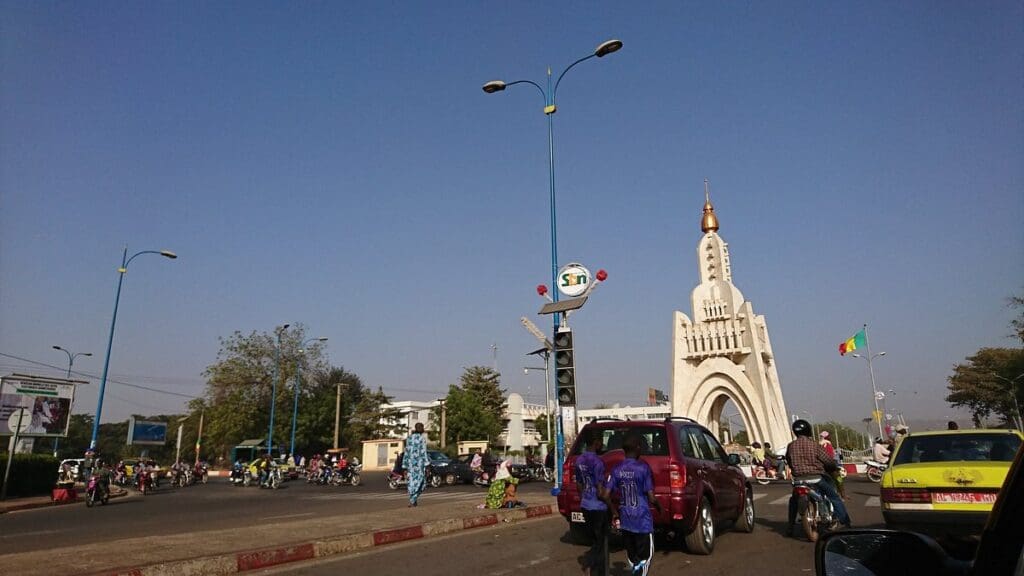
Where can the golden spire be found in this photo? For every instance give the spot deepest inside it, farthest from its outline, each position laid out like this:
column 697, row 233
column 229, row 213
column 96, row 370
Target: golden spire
column 709, row 222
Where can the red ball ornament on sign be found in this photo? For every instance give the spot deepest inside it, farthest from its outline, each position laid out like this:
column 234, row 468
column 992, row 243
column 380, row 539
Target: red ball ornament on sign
column 542, row 289
column 602, row 275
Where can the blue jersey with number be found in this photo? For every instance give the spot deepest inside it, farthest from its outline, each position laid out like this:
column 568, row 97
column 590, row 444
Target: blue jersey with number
column 590, row 474
column 632, row 480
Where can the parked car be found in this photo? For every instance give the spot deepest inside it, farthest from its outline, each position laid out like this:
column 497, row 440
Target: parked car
column 945, row 483
column 440, row 464
column 463, row 473
column 699, row 486
column 1000, row 549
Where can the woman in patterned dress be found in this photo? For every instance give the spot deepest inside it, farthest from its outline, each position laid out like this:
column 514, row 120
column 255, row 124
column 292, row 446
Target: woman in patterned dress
column 415, row 462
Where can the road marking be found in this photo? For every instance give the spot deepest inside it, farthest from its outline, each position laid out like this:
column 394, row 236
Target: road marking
column 779, row 501
column 36, row 533
column 287, row 516
column 759, row 496
column 524, row 566
column 872, row 502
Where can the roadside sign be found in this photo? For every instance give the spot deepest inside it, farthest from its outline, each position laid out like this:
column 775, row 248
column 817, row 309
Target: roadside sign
column 47, row 401
column 574, row 280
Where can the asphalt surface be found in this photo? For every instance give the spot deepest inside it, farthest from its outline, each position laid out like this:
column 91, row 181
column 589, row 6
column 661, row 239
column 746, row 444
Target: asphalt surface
column 217, row 505
column 541, row 548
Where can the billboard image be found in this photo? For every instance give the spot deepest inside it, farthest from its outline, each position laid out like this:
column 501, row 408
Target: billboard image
column 147, row 432
column 47, row 400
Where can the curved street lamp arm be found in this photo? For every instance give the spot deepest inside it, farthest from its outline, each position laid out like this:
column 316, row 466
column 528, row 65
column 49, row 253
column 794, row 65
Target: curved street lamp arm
column 139, row 254
column 560, row 76
column 535, row 85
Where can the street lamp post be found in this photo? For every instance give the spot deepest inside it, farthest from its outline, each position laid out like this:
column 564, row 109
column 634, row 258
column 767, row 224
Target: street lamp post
column 295, row 406
column 1013, row 394
column 71, row 362
column 547, row 390
column 874, row 389
column 125, row 261
column 273, row 388
column 602, row 50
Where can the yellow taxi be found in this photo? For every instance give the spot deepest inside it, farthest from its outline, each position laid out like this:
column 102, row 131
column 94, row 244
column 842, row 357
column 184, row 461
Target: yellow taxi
column 945, row 483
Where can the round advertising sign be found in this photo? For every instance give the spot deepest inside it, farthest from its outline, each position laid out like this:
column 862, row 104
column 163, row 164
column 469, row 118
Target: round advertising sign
column 574, row 280
column 19, row 416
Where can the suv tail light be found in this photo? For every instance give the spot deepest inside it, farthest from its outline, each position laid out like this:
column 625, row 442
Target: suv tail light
column 676, row 476
column 906, row 495
column 567, row 473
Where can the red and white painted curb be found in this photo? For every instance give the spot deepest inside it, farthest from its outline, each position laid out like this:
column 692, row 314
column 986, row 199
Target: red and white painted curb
column 267, row 557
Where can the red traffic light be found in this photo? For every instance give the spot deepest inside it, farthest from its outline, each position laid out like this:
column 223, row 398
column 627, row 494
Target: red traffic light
column 602, row 275
column 542, row 289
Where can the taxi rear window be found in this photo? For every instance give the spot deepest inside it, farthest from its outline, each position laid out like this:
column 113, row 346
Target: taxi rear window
column 652, row 439
column 958, row 448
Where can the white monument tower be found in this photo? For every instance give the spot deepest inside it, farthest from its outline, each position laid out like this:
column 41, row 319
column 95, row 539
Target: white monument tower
column 724, row 353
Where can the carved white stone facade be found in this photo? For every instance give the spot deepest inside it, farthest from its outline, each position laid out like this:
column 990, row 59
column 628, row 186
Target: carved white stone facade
column 724, row 353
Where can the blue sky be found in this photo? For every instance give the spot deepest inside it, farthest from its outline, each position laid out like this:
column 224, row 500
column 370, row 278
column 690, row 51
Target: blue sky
column 337, row 165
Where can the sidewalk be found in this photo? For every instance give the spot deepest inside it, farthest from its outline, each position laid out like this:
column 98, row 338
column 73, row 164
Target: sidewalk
column 29, row 502
column 215, row 552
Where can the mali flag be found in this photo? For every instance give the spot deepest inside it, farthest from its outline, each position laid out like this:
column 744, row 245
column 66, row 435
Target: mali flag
column 858, row 341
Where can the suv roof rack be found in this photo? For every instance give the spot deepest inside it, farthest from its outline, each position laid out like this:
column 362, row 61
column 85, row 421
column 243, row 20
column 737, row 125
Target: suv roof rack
column 605, row 419
column 671, row 418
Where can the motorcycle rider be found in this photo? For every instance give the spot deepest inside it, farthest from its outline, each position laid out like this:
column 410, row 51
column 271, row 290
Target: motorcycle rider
column 881, row 451
column 808, row 459
column 263, row 466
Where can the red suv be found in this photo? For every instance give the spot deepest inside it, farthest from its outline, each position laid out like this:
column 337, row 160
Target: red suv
column 699, row 486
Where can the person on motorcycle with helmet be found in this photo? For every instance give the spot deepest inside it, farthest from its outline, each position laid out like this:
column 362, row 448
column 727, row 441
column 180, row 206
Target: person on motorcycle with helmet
column 808, row 459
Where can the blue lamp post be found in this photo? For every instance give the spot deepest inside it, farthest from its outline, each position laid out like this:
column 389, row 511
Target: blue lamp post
column 295, row 406
column 125, row 261
column 604, row 49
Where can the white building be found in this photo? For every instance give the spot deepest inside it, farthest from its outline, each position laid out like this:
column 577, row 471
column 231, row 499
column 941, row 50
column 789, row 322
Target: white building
column 656, row 412
column 413, row 412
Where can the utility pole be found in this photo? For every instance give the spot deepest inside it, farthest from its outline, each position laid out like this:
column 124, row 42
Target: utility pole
column 444, row 416
column 199, row 436
column 337, row 416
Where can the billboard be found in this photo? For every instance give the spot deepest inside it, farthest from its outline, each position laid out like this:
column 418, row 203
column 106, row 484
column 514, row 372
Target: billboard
column 47, row 400
column 147, row 432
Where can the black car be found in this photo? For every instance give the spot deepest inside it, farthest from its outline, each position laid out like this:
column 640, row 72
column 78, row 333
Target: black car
column 462, row 471
column 440, row 468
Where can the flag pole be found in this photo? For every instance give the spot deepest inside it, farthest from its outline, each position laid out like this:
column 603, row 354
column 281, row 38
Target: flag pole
column 874, row 389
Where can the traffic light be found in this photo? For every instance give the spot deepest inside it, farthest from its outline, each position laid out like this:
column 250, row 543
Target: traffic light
column 565, row 368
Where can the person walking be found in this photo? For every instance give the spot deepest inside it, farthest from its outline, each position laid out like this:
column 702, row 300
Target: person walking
column 590, row 483
column 633, row 481
column 415, row 463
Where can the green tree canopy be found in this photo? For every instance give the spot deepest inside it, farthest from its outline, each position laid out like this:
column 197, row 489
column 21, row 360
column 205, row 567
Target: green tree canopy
column 989, row 384
column 475, row 406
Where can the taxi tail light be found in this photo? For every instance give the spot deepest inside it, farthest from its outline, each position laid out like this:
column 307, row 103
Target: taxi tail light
column 676, row 477
column 906, row 495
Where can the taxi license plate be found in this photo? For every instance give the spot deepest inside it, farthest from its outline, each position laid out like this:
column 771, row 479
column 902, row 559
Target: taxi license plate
column 964, row 497
column 577, row 517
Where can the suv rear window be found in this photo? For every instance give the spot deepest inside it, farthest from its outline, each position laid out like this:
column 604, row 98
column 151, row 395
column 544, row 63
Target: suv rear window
column 653, row 439
column 958, row 447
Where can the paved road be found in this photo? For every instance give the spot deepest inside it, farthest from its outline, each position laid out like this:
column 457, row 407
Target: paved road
column 540, row 548
column 217, row 505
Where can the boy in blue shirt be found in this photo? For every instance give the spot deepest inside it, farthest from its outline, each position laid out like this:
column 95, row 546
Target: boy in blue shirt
column 632, row 513
column 590, row 482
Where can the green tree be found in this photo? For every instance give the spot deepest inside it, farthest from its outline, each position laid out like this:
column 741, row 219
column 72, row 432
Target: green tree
column 236, row 401
column 1018, row 323
column 541, row 424
column 372, row 418
column 989, row 384
column 475, row 406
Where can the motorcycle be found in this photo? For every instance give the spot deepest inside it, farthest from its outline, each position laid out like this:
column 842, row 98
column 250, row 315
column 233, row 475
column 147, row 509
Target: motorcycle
column 763, row 474
column 273, row 479
column 144, row 481
column 395, row 480
column 200, row 474
column 348, row 475
column 237, row 477
column 875, row 470
column 814, row 511
column 94, row 492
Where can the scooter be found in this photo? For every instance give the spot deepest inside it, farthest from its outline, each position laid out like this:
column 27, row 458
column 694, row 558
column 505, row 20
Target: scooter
column 814, row 511
column 94, row 492
column 144, row 481
column 395, row 480
column 875, row 470
column 237, row 477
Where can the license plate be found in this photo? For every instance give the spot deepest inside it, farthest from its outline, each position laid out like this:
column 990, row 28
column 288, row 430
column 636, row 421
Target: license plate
column 577, row 517
column 964, row 497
